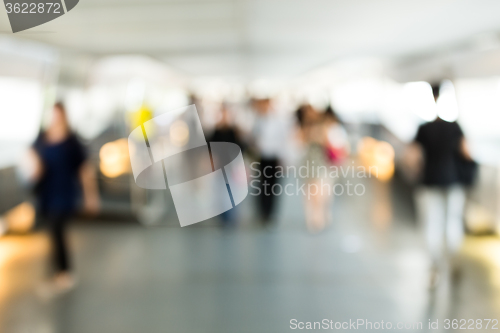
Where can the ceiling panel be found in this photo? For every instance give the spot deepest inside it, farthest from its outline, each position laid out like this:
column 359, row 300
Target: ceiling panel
column 258, row 36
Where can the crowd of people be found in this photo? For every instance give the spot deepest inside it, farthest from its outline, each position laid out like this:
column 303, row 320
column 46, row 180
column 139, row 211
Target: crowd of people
column 62, row 169
column 316, row 133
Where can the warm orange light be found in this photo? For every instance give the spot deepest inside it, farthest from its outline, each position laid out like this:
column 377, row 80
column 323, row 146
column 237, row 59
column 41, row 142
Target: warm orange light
column 377, row 157
column 179, row 133
column 21, row 218
column 114, row 158
column 15, row 250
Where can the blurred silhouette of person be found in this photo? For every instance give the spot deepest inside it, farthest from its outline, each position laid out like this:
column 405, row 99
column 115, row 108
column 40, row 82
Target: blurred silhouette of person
column 313, row 130
column 441, row 198
column 226, row 131
column 268, row 136
column 61, row 166
column 337, row 140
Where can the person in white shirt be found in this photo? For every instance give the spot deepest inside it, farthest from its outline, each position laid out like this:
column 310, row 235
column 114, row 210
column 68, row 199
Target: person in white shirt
column 269, row 139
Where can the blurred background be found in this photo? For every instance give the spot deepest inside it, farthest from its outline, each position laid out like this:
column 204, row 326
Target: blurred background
column 116, row 64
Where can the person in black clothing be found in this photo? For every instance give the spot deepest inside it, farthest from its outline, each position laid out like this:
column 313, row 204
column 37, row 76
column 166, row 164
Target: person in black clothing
column 61, row 168
column 226, row 131
column 441, row 198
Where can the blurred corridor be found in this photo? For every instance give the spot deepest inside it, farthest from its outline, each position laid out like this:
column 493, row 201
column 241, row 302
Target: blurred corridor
column 250, row 166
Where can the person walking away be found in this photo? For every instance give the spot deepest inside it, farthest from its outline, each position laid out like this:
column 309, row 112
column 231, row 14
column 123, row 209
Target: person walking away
column 269, row 139
column 441, row 196
column 226, row 131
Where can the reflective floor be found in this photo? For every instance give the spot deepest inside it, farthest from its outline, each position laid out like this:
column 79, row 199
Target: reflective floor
column 369, row 264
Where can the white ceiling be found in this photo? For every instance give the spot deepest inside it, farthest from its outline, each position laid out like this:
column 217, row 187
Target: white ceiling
column 266, row 38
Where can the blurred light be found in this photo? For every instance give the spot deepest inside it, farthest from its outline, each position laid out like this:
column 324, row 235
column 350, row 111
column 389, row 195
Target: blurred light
column 479, row 101
column 478, row 219
column 114, row 158
column 76, row 105
column 101, row 101
column 419, row 98
column 15, row 249
column 134, row 97
column 3, row 226
column 363, row 95
column 20, row 219
column 173, row 99
column 377, row 157
column 263, row 88
column 395, row 113
column 319, row 100
column 447, row 107
column 8, row 251
column 140, row 116
column 21, row 104
column 365, row 147
column 179, row 133
column 91, row 111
